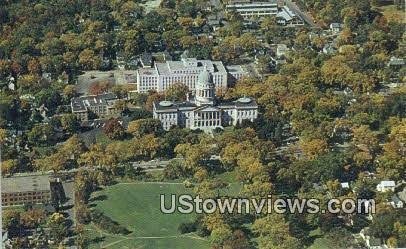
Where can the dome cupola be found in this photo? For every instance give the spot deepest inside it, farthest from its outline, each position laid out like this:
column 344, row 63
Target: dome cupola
column 205, row 89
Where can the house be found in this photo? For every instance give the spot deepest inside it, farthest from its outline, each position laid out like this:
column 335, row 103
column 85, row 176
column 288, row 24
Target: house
column 281, row 50
column 370, row 241
column 345, row 185
column 396, row 202
column 385, row 186
column 396, row 62
column 335, row 27
column 329, row 48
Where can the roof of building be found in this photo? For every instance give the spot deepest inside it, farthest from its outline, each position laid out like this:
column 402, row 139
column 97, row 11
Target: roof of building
column 286, row 13
column 146, row 59
column 25, row 184
column 345, row 185
column 396, row 61
column 190, row 105
column 174, row 106
column 335, row 25
column 387, row 184
column 81, row 103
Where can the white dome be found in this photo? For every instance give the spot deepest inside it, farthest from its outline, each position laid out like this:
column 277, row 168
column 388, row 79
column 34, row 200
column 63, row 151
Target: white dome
column 165, row 103
column 244, row 100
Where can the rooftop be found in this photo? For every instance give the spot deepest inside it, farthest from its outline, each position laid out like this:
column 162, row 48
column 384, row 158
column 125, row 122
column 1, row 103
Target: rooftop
column 81, row 103
column 387, row 183
column 25, row 184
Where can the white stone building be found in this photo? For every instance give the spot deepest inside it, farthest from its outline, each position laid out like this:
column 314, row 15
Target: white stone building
column 162, row 75
column 204, row 111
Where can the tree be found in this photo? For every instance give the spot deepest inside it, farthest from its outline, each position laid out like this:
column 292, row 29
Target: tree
column 70, row 123
column 11, row 221
column 9, row 167
column 3, row 136
column 58, row 227
column 89, row 60
column 99, row 87
column 392, row 162
column 41, row 134
column 32, row 218
column 366, row 145
column 274, row 233
column 69, row 92
column 313, row 147
column 114, row 129
column 335, row 71
column 141, row 127
column 177, row 92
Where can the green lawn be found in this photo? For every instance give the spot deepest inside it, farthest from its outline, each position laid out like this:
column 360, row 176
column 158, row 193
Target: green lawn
column 137, row 207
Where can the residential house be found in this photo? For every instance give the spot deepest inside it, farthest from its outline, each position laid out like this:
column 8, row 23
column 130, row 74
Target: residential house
column 385, row 186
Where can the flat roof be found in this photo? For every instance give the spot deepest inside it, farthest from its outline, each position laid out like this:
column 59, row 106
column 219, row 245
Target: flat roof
column 25, row 184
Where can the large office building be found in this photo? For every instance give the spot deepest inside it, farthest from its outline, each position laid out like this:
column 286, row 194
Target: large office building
column 21, row 190
column 204, row 111
column 161, row 75
column 251, row 9
column 94, row 106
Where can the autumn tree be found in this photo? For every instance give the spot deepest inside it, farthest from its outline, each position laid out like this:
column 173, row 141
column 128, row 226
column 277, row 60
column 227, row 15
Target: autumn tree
column 141, row 127
column 114, row 129
column 274, row 232
column 89, row 60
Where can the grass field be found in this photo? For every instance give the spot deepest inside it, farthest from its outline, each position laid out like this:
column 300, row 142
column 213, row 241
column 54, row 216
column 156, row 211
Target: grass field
column 137, row 207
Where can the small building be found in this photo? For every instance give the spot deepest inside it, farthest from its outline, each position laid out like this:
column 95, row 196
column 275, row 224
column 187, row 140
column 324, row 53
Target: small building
column 21, row 190
column 329, row 48
column 95, row 106
column 281, row 50
column 396, row 202
column 385, row 186
column 345, row 185
column 335, row 27
column 395, row 62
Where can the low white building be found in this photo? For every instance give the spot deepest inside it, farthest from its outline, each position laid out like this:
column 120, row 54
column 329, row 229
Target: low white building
column 204, row 111
column 385, row 186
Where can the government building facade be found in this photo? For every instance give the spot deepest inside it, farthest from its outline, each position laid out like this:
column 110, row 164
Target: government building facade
column 204, row 111
column 161, row 75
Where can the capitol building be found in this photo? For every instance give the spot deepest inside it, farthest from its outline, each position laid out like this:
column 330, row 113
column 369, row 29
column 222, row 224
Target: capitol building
column 204, row 111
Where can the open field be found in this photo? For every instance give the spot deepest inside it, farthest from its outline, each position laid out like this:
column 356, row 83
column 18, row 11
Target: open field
column 137, row 207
